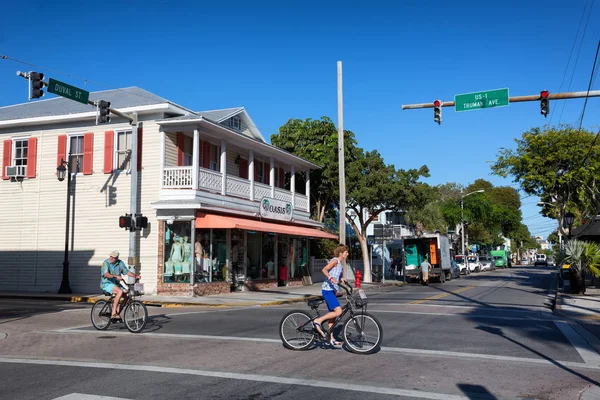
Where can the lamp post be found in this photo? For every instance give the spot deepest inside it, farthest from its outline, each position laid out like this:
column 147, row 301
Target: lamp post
column 61, row 171
column 462, row 221
column 569, row 219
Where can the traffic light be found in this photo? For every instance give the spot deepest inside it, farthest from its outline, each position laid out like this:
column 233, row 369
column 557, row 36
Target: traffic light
column 544, row 103
column 437, row 111
column 141, row 221
column 37, row 83
column 112, row 195
column 125, row 221
column 103, row 112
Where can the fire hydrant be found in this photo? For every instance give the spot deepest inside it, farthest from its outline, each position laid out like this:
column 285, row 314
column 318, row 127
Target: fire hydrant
column 357, row 281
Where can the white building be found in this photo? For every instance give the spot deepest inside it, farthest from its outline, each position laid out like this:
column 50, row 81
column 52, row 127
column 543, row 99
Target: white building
column 207, row 176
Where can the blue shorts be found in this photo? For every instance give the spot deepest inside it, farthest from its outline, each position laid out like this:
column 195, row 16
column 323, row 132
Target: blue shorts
column 108, row 287
column 331, row 299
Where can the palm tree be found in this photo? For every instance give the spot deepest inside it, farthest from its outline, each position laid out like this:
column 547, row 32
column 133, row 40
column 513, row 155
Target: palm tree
column 582, row 257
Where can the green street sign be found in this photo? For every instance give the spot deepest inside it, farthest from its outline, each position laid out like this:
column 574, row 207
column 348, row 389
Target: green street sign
column 479, row 100
column 68, row 91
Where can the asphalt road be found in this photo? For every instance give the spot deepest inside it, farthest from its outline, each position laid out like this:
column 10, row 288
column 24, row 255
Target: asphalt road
column 490, row 335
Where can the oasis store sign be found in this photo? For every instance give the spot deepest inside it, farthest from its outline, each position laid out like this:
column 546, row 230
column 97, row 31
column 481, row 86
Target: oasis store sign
column 275, row 209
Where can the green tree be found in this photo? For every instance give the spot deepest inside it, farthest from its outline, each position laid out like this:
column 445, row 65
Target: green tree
column 549, row 162
column 316, row 141
column 374, row 187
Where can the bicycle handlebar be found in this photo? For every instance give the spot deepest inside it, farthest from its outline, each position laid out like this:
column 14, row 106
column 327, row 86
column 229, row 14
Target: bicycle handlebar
column 346, row 287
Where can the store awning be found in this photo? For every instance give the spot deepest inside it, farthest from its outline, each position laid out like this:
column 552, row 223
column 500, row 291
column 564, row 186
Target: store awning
column 225, row 222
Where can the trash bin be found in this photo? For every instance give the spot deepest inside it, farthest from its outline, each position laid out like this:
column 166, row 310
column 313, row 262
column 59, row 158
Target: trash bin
column 376, row 273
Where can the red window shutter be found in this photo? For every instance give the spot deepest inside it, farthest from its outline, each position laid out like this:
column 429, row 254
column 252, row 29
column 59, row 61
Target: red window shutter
column 267, row 172
column 243, row 169
column 256, row 170
column 206, row 155
column 281, row 178
column 139, row 148
column 6, row 157
column 109, row 151
column 88, row 153
column 31, row 157
column 62, row 150
column 180, row 147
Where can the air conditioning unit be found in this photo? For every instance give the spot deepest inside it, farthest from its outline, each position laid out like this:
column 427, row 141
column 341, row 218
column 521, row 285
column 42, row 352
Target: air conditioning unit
column 17, row 171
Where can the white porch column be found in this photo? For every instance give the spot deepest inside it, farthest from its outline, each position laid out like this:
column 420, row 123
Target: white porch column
column 251, row 173
column 223, row 167
column 308, row 191
column 195, row 160
column 163, row 138
column 272, row 176
column 293, row 186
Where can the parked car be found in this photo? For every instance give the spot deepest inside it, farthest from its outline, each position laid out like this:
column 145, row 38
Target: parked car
column 540, row 259
column 461, row 265
column 524, row 261
column 454, row 269
column 473, row 263
column 487, row 263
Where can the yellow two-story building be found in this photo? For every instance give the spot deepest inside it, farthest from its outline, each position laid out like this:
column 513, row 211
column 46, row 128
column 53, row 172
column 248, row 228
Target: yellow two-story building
column 223, row 205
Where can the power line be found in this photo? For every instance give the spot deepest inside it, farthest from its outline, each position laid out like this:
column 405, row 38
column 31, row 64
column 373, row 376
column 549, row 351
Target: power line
column 577, row 58
column 585, row 104
column 571, row 53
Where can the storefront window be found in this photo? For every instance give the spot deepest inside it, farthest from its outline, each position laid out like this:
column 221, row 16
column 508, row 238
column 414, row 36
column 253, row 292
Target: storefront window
column 202, row 250
column 219, row 255
column 254, row 262
column 301, row 257
column 283, row 257
column 178, row 253
column 238, row 251
column 268, row 256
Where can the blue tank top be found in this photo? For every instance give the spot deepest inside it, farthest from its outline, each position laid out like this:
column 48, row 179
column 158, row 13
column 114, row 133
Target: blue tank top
column 336, row 273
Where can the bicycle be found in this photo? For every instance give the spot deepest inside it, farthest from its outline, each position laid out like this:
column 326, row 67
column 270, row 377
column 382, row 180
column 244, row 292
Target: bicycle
column 135, row 313
column 362, row 332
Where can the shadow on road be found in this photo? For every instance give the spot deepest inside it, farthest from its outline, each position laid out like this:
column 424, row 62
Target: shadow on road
column 498, row 332
column 476, row 392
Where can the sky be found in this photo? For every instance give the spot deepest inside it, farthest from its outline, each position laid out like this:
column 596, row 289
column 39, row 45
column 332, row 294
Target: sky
column 280, row 62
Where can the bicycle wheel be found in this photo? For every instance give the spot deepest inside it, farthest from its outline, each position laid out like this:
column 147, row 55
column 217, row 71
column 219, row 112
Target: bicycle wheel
column 136, row 316
column 296, row 330
column 100, row 315
column 362, row 333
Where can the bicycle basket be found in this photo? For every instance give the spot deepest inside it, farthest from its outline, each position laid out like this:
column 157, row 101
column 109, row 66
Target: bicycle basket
column 138, row 289
column 359, row 298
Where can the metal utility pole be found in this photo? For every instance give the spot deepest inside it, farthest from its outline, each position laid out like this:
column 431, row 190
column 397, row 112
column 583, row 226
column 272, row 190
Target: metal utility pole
column 131, row 260
column 342, row 171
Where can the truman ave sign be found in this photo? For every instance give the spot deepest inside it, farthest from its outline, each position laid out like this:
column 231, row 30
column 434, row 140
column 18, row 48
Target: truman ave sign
column 479, row 100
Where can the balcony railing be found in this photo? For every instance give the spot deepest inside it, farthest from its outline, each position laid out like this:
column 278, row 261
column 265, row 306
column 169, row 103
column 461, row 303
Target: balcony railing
column 211, row 181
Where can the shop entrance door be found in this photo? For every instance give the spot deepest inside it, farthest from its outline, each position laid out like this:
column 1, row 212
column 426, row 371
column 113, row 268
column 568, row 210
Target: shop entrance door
column 283, row 260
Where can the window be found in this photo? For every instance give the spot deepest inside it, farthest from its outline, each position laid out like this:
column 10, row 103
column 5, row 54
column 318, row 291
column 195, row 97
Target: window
column 235, row 123
column 214, row 158
column 76, row 151
column 20, row 152
column 260, row 172
column 123, row 150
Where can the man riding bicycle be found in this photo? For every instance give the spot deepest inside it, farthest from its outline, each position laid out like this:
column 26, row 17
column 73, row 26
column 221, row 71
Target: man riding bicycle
column 112, row 269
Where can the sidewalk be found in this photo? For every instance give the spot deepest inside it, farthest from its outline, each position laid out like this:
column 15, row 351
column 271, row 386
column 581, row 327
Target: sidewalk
column 583, row 309
column 270, row 297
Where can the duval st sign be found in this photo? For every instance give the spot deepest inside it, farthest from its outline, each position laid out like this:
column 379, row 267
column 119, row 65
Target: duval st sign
column 276, row 209
column 479, row 100
column 68, row 91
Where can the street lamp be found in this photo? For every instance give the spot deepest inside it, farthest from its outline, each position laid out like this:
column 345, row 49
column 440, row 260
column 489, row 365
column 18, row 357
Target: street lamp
column 61, row 171
column 569, row 219
column 462, row 221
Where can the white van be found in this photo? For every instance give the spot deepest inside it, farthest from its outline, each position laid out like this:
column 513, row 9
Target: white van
column 540, row 259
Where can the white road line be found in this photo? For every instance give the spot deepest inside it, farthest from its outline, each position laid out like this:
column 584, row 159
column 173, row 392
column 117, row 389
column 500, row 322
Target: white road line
column 532, row 308
column 279, row 380
column 587, row 353
column 404, row 350
column 81, row 396
column 548, row 319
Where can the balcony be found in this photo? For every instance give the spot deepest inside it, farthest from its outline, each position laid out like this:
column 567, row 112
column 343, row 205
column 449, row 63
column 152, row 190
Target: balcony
column 212, row 181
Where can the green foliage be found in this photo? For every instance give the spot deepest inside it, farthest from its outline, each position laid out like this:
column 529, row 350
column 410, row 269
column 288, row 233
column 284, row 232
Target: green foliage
column 549, row 163
column 316, row 141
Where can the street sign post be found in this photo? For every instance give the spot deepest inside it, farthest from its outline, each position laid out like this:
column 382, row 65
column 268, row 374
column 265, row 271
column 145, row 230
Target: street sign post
column 479, row 100
column 68, row 91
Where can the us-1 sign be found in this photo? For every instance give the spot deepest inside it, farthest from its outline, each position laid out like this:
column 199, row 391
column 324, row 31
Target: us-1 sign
column 276, row 209
column 479, row 100
column 68, row 91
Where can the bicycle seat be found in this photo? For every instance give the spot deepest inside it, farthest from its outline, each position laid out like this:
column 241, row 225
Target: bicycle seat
column 314, row 303
column 107, row 293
